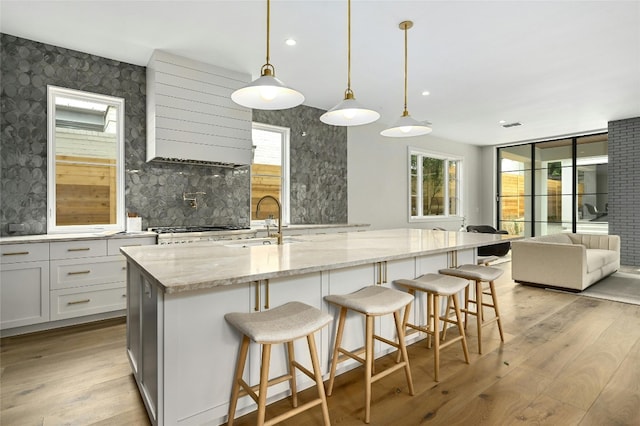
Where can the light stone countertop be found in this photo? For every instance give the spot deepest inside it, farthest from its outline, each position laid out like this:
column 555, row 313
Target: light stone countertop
column 46, row 238
column 209, row 264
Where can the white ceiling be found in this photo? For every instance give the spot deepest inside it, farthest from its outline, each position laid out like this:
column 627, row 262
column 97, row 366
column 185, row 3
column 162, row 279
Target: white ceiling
column 559, row 67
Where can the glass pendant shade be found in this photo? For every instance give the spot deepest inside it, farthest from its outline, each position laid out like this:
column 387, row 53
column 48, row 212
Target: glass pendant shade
column 349, row 112
column 406, row 126
column 267, row 92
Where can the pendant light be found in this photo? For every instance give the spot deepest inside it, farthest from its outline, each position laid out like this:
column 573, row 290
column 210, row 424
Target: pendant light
column 349, row 112
column 406, row 125
column 267, row 92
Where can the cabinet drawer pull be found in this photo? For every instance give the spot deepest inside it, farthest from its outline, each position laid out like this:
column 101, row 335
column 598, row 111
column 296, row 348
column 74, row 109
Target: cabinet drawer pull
column 77, row 302
column 15, row 253
column 79, row 249
column 124, row 295
column 78, row 272
column 266, row 301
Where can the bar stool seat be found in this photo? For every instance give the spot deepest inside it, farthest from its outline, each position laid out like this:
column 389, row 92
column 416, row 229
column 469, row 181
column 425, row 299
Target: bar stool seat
column 436, row 285
column 371, row 301
column 479, row 274
column 486, row 260
column 283, row 324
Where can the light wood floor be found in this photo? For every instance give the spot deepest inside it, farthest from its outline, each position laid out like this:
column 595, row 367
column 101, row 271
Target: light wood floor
column 567, row 360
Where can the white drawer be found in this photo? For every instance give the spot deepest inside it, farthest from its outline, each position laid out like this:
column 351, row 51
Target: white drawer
column 78, row 249
column 83, row 272
column 113, row 246
column 32, row 252
column 76, row 302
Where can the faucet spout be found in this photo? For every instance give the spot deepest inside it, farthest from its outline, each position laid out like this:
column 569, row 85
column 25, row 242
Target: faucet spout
column 279, row 234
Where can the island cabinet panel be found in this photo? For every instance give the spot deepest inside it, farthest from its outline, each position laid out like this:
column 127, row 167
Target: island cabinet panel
column 199, row 354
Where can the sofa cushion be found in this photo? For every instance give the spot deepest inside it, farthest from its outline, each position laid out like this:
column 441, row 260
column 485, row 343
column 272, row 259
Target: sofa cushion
column 554, row 238
column 597, row 259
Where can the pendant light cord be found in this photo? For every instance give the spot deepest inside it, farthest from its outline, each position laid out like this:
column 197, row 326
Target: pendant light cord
column 405, row 70
column 268, row 69
column 349, row 47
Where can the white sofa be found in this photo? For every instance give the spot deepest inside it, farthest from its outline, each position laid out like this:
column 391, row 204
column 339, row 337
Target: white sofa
column 568, row 261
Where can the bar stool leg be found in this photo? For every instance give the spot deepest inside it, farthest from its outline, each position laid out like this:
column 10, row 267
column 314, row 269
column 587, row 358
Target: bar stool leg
column 311, row 342
column 264, row 381
column 494, row 297
column 235, row 390
column 405, row 321
column 292, row 373
column 430, row 311
column 403, row 350
column 466, row 306
column 436, row 336
column 336, row 349
column 456, row 306
column 479, row 316
column 368, row 369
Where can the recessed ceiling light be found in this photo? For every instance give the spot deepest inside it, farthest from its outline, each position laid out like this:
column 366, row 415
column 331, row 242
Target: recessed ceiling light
column 501, row 121
column 425, row 93
column 290, row 42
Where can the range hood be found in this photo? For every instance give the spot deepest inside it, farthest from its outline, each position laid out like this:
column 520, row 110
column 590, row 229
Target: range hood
column 191, row 118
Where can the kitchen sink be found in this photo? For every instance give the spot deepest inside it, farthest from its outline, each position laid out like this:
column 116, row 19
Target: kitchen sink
column 252, row 242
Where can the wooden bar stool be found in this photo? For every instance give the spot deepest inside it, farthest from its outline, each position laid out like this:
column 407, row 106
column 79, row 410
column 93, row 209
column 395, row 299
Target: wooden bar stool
column 435, row 286
column 284, row 324
column 486, row 260
column 371, row 301
column 479, row 274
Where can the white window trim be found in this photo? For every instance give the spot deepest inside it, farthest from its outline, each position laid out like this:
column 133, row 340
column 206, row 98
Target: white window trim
column 441, row 156
column 52, row 228
column 285, row 134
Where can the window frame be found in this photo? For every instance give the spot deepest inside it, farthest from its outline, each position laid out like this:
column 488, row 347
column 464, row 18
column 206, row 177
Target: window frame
column 119, row 103
column 285, row 135
column 422, row 153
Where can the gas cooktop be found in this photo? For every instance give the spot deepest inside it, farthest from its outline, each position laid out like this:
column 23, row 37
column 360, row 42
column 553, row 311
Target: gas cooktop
column 195, row 228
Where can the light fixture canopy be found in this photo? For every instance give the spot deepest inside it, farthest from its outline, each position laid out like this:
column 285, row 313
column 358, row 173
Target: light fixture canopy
column 406, row 125
column 349, row 112
column 267, row 91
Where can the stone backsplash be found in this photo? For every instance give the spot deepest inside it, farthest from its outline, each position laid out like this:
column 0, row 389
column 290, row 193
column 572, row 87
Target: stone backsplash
column 153, row 190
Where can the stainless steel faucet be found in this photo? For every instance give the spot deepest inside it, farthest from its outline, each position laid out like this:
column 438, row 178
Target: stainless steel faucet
column 279, row 234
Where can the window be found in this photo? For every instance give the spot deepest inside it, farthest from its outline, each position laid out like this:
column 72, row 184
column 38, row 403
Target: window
column 85, row 161
column 434, row 185
column 554, row 186
column 270, row 171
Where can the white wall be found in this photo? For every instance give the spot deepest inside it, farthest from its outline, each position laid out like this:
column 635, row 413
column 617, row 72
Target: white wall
column 378, row 181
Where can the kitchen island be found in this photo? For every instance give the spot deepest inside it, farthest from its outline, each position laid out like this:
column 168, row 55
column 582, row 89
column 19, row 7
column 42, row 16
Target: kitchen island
column 183, row 353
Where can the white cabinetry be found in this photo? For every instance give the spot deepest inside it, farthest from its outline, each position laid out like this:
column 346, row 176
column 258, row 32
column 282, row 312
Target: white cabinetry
column 24, row 284
column 88, row 277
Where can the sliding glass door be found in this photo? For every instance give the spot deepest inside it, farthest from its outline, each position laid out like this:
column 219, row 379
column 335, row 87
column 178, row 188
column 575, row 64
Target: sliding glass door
column 553, row 186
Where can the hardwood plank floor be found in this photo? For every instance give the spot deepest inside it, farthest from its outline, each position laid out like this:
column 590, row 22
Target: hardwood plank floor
column 567, row 360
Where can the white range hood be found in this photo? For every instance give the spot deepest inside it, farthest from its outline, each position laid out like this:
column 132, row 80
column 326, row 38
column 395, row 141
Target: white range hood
column 190, row 115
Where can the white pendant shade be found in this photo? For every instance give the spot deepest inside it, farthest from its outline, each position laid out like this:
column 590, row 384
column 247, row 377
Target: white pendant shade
column 349, row 112
column 267, row 92
column 406, row 126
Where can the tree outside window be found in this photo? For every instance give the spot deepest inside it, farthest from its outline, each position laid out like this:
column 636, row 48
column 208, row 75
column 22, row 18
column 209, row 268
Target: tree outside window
column 434, row 185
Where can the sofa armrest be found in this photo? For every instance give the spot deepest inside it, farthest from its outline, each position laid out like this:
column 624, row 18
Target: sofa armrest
column 546, row 263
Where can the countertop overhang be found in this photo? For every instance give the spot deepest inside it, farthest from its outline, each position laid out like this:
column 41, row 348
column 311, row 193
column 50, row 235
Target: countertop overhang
column 210, row 264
